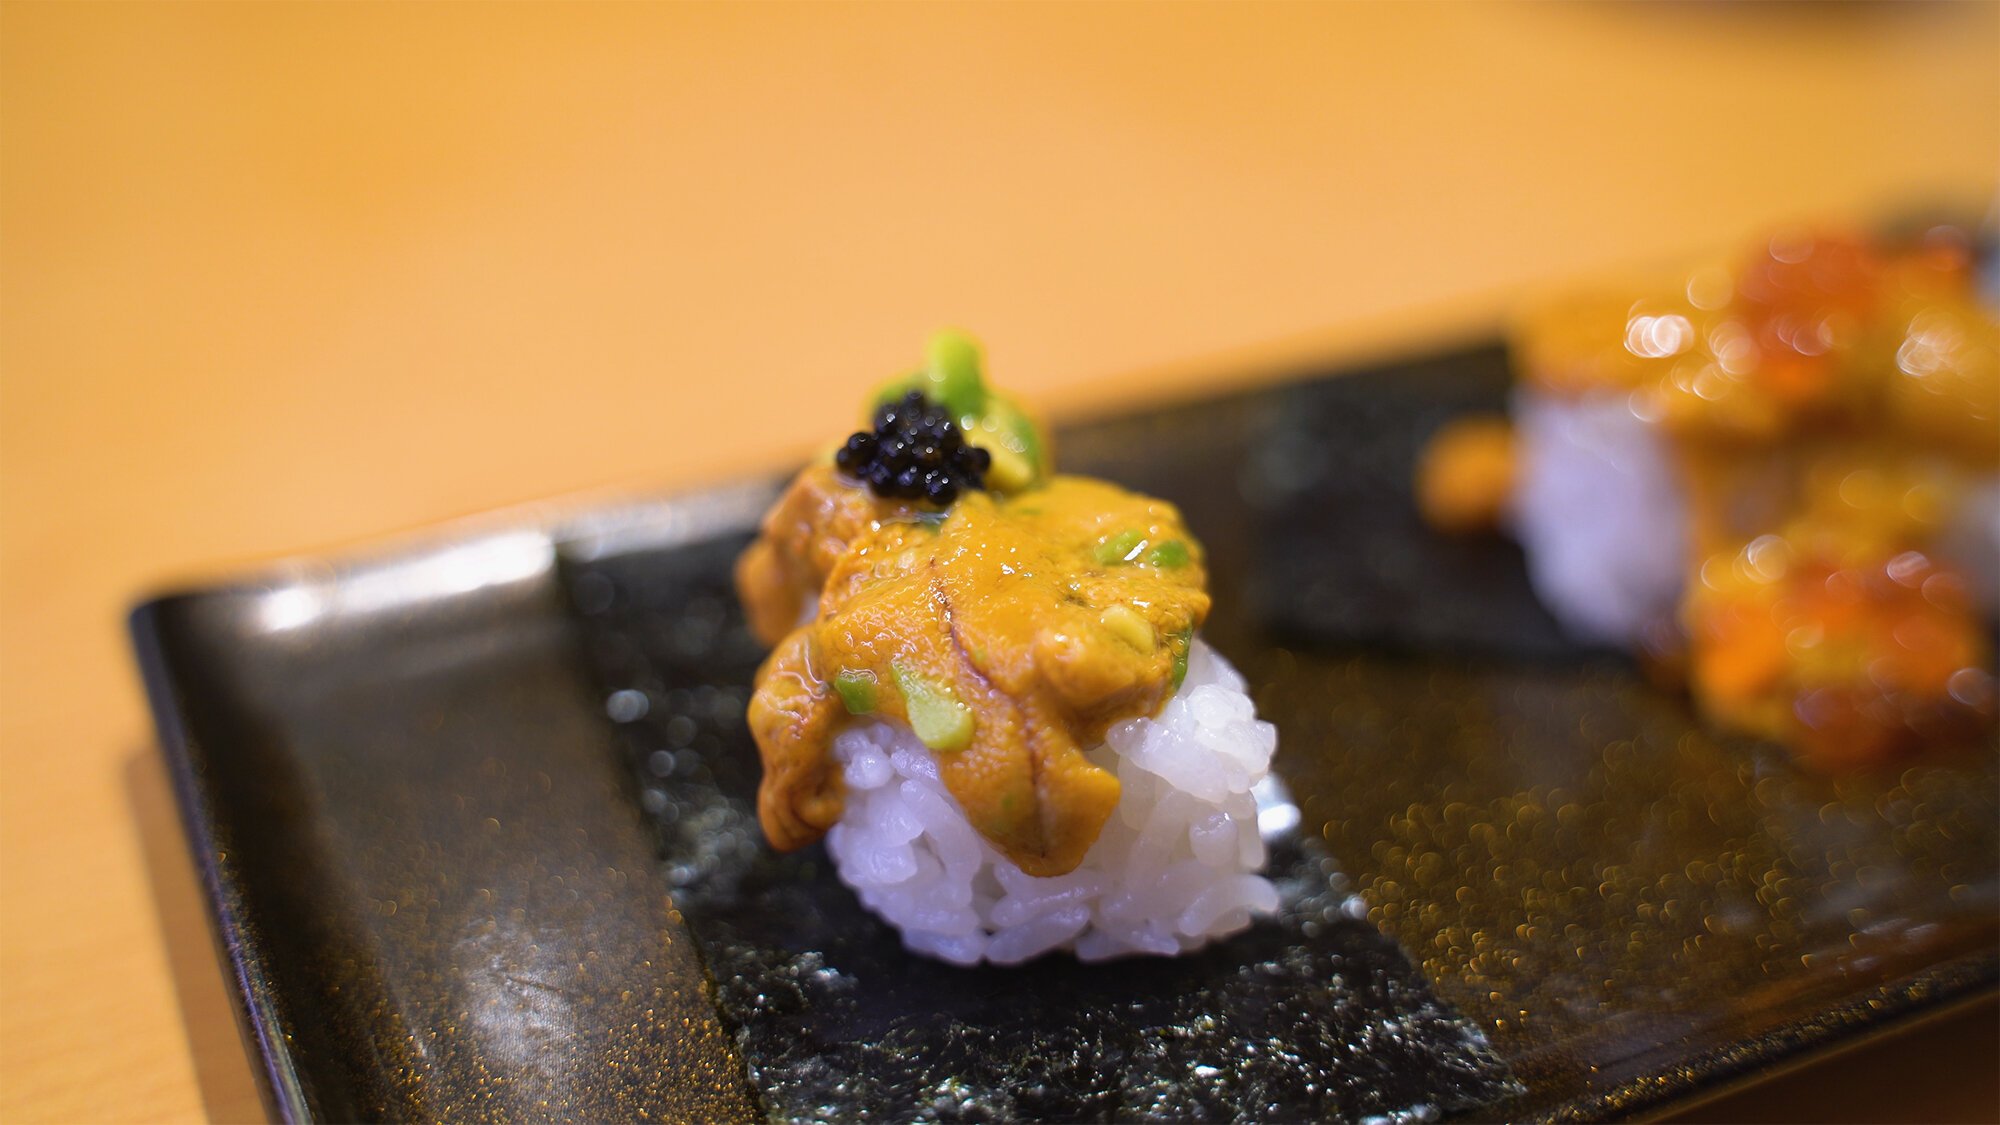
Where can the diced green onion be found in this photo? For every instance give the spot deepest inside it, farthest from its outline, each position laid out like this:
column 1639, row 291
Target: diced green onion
column 1172, row 553
column 1120, row 548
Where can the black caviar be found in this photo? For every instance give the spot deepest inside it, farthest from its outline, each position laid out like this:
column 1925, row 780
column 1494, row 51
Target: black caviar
column 914, row 453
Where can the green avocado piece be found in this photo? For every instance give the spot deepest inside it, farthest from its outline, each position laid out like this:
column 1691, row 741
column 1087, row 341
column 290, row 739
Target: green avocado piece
column 895, row 389
column 1029, row 438
column 937, row 716
column 953, row 364
column 856, row 688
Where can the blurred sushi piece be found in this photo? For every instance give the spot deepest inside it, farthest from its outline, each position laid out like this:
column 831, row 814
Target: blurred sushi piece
column 1776, row 476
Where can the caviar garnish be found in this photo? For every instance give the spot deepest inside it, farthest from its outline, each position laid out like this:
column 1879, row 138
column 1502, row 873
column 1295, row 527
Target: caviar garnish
column 915, row 452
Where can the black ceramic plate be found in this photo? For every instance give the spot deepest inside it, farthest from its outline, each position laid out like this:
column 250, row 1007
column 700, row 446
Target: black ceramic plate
column 473, row 818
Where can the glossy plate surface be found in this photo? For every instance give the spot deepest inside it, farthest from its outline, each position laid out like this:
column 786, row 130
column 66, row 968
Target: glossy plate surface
column 474, row 822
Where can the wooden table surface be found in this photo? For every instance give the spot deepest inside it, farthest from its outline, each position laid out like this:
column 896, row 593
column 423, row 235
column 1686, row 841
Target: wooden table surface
column 278, row 278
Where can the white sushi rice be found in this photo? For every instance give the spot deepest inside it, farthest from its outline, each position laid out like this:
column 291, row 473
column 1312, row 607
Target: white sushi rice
column 1175, row 867
column 1601, row 514
column 1972, row 542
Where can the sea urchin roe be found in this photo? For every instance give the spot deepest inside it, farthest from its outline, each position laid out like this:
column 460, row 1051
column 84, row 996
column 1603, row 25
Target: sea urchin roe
column 998, row 636
column 804, row 534
column 1807, row 332
column 1465, row 474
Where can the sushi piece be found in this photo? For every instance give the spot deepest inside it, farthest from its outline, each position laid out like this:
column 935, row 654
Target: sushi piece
column 988, row 693
column 1779, row 476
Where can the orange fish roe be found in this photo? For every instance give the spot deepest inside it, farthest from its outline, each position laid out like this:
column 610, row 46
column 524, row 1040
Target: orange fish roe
column 1849, row 663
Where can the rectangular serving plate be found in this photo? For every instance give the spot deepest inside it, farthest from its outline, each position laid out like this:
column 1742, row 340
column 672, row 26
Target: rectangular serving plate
column 449, row 884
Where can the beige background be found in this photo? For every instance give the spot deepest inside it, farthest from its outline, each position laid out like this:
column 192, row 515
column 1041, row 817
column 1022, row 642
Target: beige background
column 281, row 277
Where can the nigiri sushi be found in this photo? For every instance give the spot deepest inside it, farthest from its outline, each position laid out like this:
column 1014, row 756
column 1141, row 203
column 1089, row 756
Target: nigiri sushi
column 1779, row 474
column 988, row 692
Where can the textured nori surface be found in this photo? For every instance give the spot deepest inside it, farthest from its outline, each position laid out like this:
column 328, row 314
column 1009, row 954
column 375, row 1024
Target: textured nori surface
column 1314, row 1015
column 1343, row 556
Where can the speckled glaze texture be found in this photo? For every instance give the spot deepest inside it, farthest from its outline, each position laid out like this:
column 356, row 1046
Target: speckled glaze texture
column 1601, row 883
column 1632, row 906
column 433, row 888
column 1529, row 886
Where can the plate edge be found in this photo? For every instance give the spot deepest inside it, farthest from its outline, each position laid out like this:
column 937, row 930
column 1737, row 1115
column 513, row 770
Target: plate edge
column 260, row 1019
